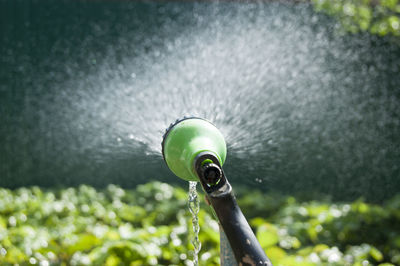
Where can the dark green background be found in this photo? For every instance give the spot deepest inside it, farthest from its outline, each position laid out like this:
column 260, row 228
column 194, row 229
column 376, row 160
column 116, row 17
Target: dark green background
column 47, row 43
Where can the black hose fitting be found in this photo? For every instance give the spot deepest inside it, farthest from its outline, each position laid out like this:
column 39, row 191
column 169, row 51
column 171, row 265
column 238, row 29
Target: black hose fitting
column 244, row 244
column 212, row 173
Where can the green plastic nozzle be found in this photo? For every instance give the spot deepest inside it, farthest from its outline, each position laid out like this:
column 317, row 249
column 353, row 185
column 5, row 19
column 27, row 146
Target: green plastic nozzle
column 185, row 139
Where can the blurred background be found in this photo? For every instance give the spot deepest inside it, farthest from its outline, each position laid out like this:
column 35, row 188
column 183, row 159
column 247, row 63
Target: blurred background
column 87, row 89
column 306, row 94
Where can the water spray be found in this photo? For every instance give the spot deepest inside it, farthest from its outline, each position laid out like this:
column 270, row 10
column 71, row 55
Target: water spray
column 195, row 150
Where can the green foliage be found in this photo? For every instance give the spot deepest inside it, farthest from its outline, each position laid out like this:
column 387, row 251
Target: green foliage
column 381, row 17
column 84, row 226
column 149, row 226
column 326, row 233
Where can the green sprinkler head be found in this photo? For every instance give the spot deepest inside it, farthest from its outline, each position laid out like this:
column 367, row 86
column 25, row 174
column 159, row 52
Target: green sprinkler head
column 186, row 140
column 195, row 150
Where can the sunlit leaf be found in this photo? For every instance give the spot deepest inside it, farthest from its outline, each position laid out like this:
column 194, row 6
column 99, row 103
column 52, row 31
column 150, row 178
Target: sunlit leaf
column 267, row 235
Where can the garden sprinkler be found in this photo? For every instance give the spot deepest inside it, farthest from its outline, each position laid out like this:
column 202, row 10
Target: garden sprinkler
column 195, row 150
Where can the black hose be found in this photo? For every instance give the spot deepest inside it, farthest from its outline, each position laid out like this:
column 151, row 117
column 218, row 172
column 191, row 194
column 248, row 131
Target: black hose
column 244, row 244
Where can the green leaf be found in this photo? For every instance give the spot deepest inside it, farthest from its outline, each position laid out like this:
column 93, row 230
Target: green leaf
column 389, row 3
column 275, row 254
column 376, row 254
column 394, row 23
column 267, row 235
column 84, row 242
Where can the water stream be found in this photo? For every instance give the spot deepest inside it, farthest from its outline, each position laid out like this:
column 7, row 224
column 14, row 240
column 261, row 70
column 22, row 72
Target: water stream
column 194, row 207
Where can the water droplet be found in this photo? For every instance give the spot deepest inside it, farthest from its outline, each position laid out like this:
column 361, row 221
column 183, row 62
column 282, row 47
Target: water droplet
column 44, row 263
column 12, row 221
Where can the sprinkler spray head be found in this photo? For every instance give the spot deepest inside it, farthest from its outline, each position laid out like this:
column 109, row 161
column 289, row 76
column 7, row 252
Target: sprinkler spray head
column 185, row 139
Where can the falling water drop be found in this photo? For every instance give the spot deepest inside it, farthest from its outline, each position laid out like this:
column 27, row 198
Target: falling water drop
column 194, row 207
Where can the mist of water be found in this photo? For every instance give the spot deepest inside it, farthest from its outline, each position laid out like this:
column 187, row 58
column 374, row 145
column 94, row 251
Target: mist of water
column 294, row 100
